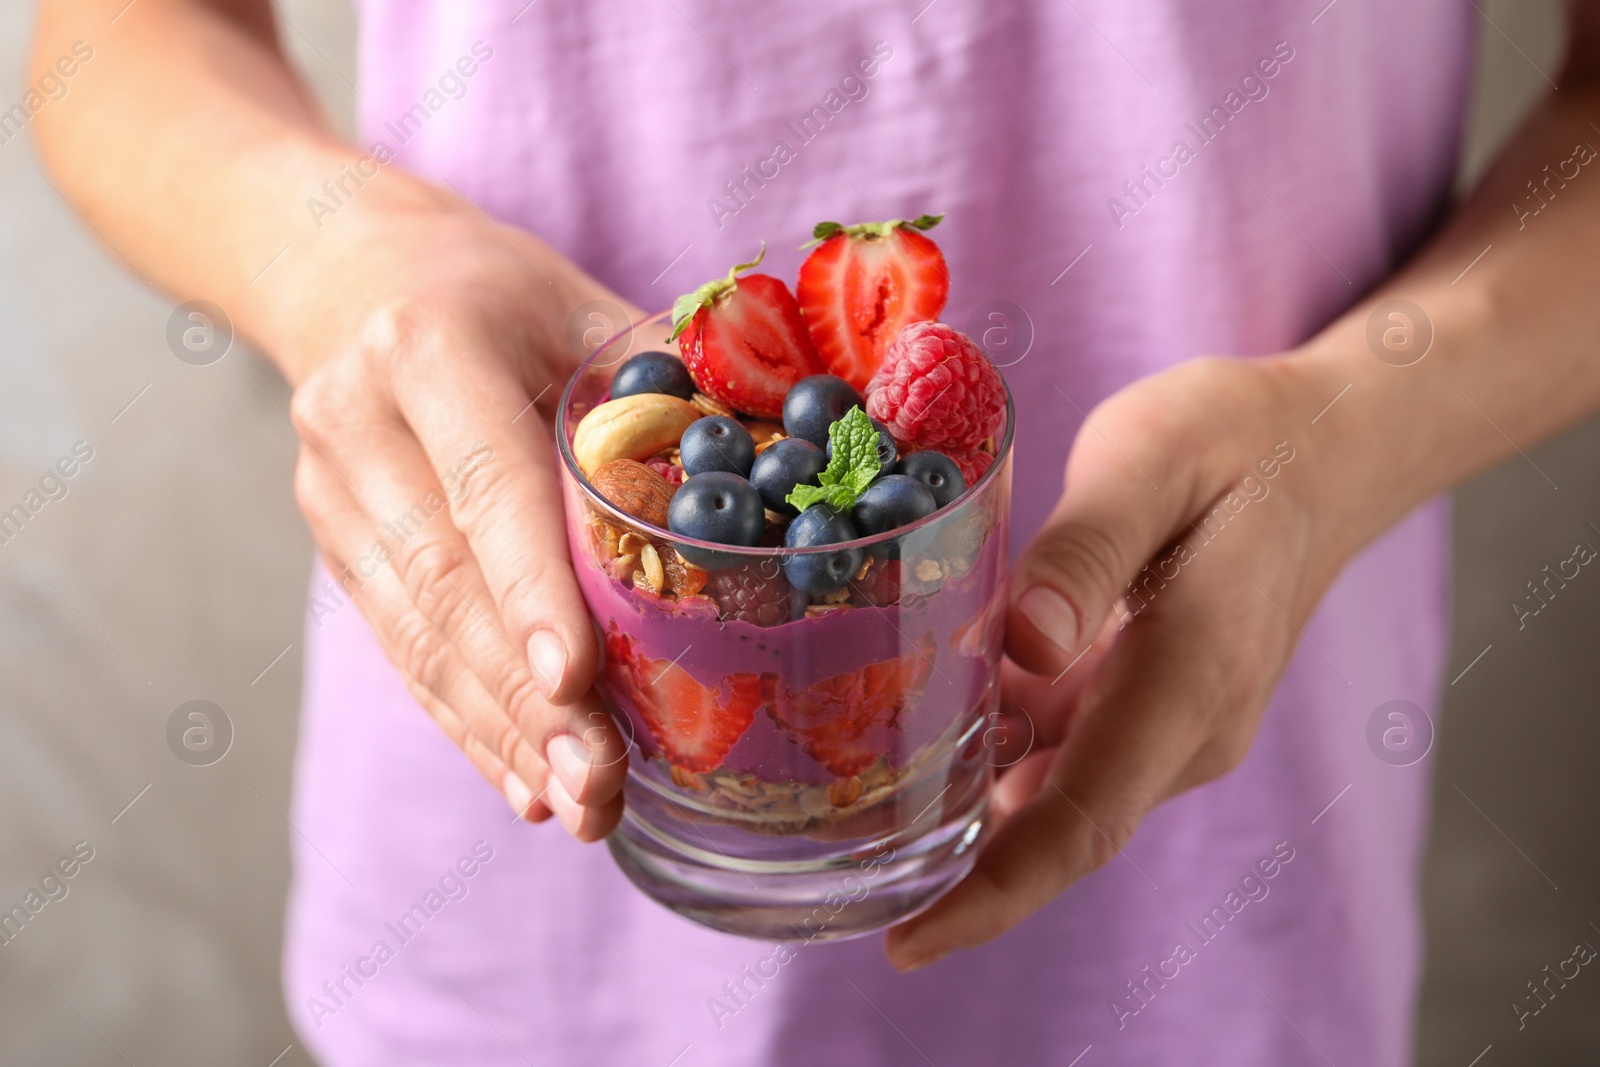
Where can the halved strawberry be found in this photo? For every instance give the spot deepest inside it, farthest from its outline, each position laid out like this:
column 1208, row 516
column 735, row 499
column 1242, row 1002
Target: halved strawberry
column 695, row 727
column 833, row 719
column 863, row 284
column 744, row 341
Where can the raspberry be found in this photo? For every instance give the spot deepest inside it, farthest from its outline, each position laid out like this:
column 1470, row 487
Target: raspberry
column 936, row 389
column 973, row 463
column 744, row 593
column 667, row 469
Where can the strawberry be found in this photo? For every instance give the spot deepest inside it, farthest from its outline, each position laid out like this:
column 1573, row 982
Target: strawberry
column 744, row 341
column 833, row 720
column 863, row 284
column 694, row 726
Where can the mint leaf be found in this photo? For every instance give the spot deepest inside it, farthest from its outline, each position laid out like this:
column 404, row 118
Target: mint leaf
column 838, row 497
column 850, row 470
column 855, row 443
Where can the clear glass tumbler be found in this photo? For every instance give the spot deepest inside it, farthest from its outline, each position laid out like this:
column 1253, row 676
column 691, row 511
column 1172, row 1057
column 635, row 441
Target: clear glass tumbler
column 800, row 769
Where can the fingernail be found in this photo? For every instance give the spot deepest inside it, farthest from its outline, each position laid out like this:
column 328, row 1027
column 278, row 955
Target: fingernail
column 1049, row 611
column 918, row 964
column 569, row 757
column 908, row 956
column 548, row 656
column 517, row 793
column 559, row 801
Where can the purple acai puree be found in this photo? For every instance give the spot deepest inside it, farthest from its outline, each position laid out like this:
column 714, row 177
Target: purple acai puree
column 957, row 627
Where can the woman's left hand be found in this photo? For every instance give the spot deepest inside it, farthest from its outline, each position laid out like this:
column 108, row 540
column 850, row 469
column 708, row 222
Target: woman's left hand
column 1151, row 618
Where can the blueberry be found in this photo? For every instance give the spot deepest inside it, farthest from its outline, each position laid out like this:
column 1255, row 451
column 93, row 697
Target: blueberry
column 937, row 471
column 820, row 573
column 716, row 506
column 784, row 465
column 887, row 453
column 653, row 372
column 717, row 443
column 815, row 403
column 891, row 502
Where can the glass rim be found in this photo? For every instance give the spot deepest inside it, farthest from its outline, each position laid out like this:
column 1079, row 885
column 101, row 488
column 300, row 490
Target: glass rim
column 569, row 463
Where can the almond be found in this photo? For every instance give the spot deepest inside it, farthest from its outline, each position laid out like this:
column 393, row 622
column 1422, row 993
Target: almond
column 633, row 488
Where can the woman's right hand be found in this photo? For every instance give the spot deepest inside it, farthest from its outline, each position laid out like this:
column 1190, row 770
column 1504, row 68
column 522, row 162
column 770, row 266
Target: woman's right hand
column 428, row 375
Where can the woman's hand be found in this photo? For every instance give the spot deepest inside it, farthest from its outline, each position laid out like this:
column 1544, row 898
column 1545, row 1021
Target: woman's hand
column 1199, row 487
column 1170, row 690
column 428, row 474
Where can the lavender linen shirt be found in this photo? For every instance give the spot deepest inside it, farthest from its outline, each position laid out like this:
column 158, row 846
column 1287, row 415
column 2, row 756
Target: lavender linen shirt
column 1134, row 182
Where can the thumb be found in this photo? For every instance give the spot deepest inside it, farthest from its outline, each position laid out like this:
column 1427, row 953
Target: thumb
column 1107, row 525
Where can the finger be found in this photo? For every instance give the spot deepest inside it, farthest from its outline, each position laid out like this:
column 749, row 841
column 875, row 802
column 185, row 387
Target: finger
column 1040, row 708
column 503, row 779
column 509, row 508
column 585, row 822
column 519, row 794
column 510, row 785
column 433, row 671
column 1018, row 785
column 1138, row 732
column 1108, row 522
column 399, row 491
column 1144, row 464
column 439, row 568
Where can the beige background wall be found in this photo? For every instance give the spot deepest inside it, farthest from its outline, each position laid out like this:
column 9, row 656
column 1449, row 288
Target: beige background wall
column 174, row 569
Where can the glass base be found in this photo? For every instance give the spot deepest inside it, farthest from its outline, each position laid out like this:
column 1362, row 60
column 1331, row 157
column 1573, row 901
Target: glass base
column 845, row 879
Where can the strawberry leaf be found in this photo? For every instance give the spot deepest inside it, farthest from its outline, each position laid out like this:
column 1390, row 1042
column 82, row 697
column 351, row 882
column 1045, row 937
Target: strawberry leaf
column 687, row 306
column 852, row 467
column 824, row 230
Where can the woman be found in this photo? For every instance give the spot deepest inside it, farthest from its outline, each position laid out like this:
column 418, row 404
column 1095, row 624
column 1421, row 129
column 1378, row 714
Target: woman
column 1143, row 186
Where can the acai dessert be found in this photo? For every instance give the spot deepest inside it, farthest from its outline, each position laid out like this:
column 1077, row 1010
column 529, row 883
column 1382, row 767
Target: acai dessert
column 787, row 515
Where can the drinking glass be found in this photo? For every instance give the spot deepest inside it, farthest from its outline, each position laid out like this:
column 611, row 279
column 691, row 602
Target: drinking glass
column 800, row 768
